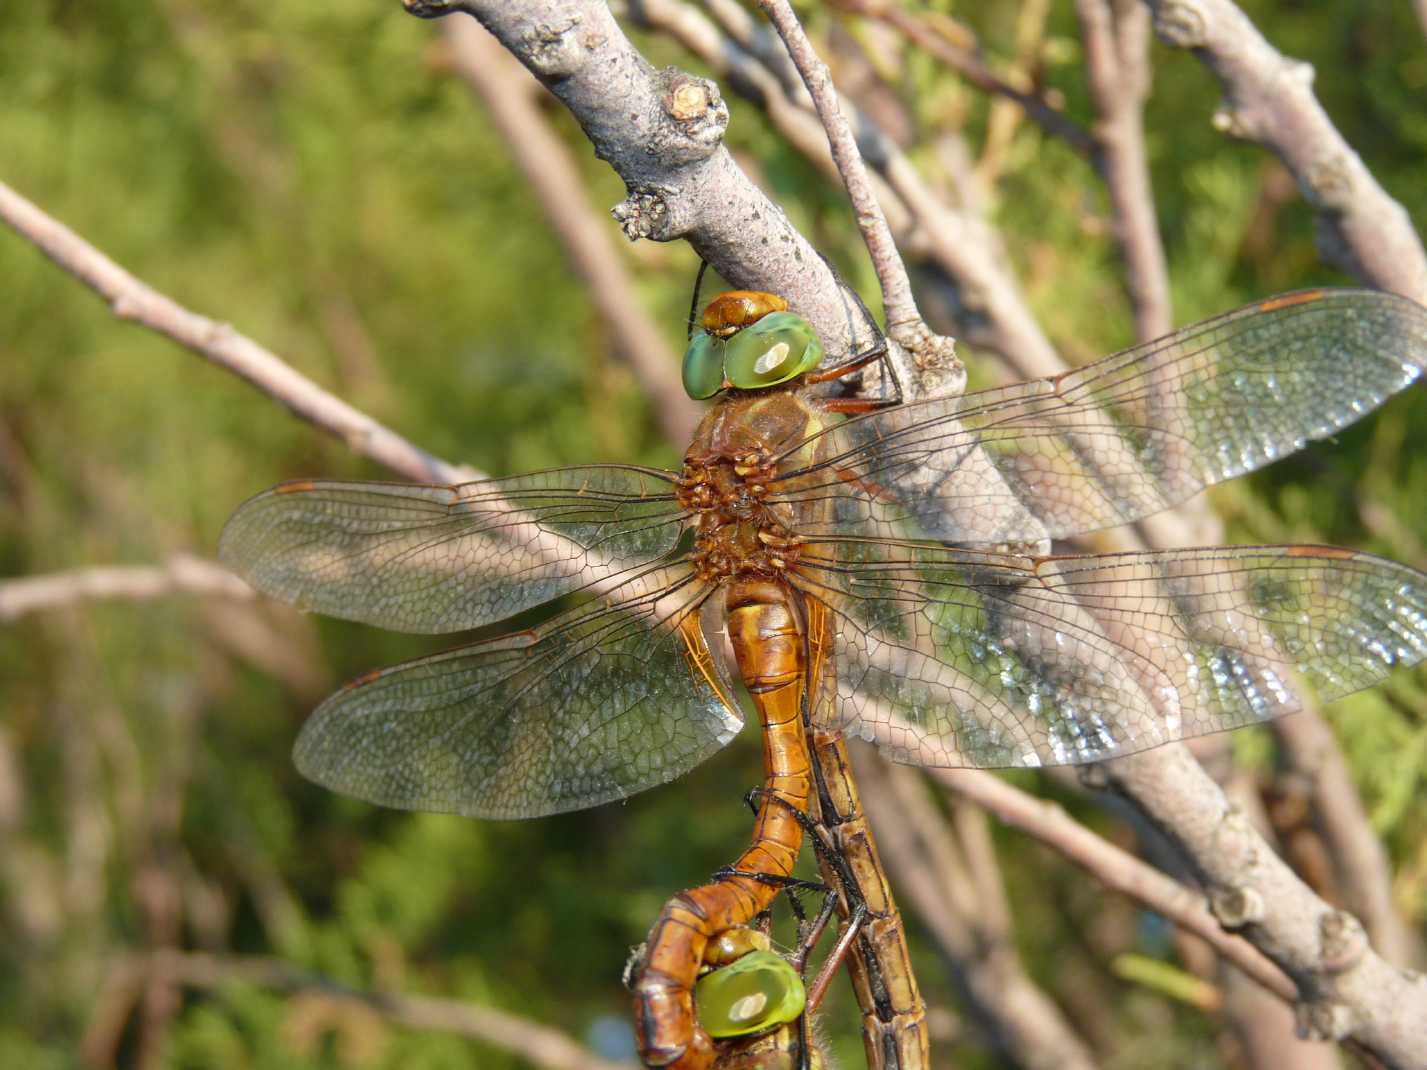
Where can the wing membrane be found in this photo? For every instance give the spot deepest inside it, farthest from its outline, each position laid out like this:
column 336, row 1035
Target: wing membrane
column 1124, row 437
column 952, row 658
column 597, row 705
column 418, row 558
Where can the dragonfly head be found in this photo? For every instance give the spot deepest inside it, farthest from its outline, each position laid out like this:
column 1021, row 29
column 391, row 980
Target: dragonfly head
column 748, row 341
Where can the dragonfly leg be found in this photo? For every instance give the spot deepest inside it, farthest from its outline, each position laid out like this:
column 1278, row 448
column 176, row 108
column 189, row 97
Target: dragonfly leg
column 824, row 847
column 774, row 880
column 810, row 932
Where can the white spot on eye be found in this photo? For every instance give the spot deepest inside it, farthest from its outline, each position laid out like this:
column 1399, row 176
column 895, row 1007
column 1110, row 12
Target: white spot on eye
column 748, row 1008
column 771, row 358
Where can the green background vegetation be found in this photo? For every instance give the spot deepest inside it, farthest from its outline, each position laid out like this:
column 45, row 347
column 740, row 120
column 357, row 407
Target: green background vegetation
column 307, row 172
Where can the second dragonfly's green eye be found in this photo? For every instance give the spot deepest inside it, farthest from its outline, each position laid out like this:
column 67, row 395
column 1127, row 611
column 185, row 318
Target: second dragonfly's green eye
column 779, row 347
column 703, row 366
column 756, row 993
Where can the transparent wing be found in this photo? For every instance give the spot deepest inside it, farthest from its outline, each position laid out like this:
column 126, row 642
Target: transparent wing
column 952, row 658
column 419, row 558
column 1122, row 438
column 602, row 702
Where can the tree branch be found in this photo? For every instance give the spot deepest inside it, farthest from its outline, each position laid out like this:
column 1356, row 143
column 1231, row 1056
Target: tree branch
column 181, row 574
column 1117, row 66
column 921, row 30
column 1113, row 867
column 897, row 298
column 662, row 132
column 1269, row 99
column 1345, row 989
column 134, row 300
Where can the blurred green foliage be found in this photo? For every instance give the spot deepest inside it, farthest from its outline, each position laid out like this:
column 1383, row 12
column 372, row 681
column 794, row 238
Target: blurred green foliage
column 309, row 173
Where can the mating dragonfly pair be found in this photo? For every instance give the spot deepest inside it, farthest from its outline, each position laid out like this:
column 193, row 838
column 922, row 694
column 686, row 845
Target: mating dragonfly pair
column 858, row 569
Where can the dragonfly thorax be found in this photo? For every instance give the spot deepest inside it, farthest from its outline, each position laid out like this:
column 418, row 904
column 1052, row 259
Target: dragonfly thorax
column 737, row 531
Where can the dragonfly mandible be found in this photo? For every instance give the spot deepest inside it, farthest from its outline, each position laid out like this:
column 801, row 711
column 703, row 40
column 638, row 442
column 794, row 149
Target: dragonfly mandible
column 860, row 568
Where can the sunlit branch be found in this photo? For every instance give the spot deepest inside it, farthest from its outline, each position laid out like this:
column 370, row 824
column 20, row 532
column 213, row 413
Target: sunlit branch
column 1113, row 867
column 1116, row 36
column 904, row 320
column 662, row 132
column 1258, row 1020
column 181, row 574
column 1268, row 98
column 1345, row 990
column 134, row 300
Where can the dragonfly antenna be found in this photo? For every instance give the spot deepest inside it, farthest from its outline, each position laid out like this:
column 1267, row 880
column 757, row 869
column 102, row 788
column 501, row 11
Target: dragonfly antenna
column 698, row 285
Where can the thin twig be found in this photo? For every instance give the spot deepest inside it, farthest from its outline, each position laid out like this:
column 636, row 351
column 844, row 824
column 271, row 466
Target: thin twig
column 538, row 1044
column 1113, row 867
column 182, row 573
column 918, row 28
column 897, row 298
column 1117, row 66
column 134, row 300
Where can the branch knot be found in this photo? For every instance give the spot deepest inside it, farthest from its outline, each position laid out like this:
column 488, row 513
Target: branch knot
column 699, row 110
column 555, row 51
column 430, row 9
column 645, row 213
column 1237, row 907
column 1181, row 24
column 1343, row 941
column 1323, row 1019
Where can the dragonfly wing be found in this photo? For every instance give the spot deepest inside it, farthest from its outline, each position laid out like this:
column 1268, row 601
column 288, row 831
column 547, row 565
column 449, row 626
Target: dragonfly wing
column 951, row 658
column 602, row 702
column 432, row 559
column 1122, row 438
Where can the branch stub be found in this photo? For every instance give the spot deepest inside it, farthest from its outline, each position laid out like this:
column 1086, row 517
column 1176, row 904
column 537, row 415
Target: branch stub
column 1343, row 941
column 1181, row 24
column 1324, row 1019
column 645, row 214
column 1237, row 907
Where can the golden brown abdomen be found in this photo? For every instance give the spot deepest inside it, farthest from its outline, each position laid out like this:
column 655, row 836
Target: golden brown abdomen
column 767, row 635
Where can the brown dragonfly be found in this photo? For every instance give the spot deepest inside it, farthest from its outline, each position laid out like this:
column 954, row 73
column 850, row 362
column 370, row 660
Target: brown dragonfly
column 863, row 573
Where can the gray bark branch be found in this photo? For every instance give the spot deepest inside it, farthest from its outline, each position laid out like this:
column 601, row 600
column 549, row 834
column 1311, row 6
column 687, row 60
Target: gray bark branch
column 662, row 132
column 1268, row 98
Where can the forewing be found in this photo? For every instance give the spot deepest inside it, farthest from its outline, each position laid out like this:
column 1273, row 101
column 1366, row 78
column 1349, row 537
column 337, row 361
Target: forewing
column 950, row 658
column 599, row 704
column 420, row 558
column 1122, row 438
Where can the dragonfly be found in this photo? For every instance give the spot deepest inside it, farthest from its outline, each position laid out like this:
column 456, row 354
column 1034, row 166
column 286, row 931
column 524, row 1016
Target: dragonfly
column 856, row 570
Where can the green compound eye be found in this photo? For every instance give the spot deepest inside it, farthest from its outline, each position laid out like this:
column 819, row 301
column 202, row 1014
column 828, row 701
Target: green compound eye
column 703, row 366
column 779, row 347
column 757, row 993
